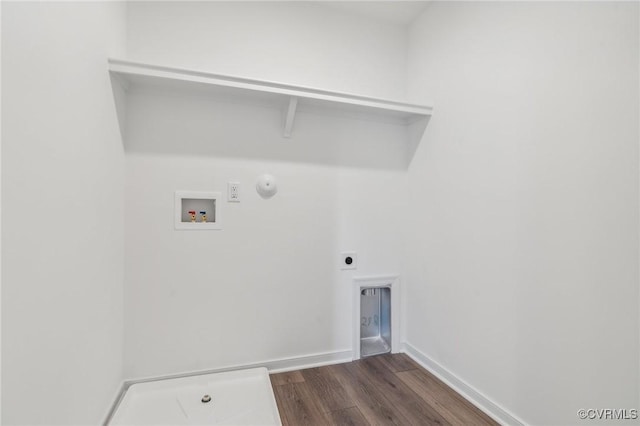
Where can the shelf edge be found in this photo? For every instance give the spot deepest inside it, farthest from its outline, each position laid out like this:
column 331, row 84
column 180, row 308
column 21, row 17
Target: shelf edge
column 124, row 67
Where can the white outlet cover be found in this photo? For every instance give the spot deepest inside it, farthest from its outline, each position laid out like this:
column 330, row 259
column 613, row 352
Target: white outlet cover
column 344, row 260
column 230, row 192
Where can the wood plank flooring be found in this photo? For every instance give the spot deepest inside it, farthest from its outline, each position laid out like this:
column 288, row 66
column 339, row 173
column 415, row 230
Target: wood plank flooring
column 381, row 390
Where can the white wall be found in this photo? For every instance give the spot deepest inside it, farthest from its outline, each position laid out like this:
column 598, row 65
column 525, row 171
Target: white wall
column 301, row 43
column 523, row 267
column 522, row 200
column 0, row 219
column 63, row 227
column 268, row 286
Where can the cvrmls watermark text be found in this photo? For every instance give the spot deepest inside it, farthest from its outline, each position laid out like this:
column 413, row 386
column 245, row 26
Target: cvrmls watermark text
column 608, row 414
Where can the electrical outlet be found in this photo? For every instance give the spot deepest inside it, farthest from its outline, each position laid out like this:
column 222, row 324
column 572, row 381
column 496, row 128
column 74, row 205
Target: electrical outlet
column 348, row 260
column 233, row 194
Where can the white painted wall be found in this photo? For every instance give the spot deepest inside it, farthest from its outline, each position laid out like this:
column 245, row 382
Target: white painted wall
column 302, row 43
column 0, row 219
column 268, row 286
column 522, row 200
column 523, row 263
column 62, row 222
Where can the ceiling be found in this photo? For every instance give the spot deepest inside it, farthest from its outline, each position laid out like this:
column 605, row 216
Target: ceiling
column 397, row 12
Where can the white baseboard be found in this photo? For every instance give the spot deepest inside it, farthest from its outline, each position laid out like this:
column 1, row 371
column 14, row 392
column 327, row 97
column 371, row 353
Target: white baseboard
column 308, row 361
column 274, row 366
column 485, row 404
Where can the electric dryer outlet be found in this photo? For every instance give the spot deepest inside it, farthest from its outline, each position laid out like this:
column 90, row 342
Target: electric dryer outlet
column 348, row 260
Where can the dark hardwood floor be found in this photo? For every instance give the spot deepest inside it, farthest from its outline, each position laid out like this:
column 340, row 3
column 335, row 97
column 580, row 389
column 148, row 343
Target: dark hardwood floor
column 381, row 390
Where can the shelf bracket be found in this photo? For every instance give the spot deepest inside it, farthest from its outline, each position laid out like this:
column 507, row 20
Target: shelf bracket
column 291, row 114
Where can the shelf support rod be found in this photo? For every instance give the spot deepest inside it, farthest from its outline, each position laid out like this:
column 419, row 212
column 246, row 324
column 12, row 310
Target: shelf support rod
column 291, row 114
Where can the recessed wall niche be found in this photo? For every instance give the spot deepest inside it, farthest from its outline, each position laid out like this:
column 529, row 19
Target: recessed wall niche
column 197, row 210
